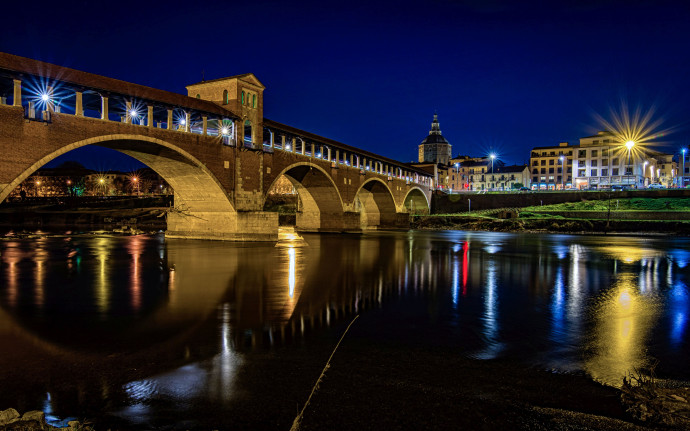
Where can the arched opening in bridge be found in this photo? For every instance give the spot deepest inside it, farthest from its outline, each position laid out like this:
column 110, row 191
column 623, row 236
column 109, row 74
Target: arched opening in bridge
column 315, row 200
column 416, row 202
column 200, row 207
column 376, row 205
column 282, row 198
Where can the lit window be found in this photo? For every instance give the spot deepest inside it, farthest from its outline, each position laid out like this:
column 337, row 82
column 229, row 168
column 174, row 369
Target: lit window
column 243, row 97
column 253, row 100
column 225, row 97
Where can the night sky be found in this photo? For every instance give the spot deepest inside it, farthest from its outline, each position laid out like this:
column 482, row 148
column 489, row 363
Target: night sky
column 504, row 76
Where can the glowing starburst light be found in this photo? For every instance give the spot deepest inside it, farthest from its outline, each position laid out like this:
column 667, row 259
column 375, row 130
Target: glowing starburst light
column 634, row 130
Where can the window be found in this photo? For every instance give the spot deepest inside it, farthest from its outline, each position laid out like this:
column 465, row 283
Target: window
column 543, row 170
column 535, row 163
column 535, row 179
column 543, row 162
column 593, row 173
column 605, row 162
column 615, row 162
column 535, row 171
column 582, row 154
column 550, row 178
column 580, row 172
column 614, row 171
column 594, row 163
column 253, row 100
column 551, row 170
column 198, row 96
column 551, row 162
column 225, row 97
column 594, row 153
column 243, row 97
column 570, row 170
column 247, row 131
column 605, row 152
column 542, row 179
column 604, row 172
column 559, row 170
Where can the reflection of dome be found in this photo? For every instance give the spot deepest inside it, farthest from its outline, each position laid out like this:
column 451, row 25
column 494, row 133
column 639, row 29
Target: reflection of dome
column 435, row 136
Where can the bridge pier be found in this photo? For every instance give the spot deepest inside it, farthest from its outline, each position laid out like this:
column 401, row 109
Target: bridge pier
column 328, row 222
column 226, row 226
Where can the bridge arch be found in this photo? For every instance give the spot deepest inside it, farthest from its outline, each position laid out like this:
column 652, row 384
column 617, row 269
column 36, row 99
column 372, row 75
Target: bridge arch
column 416, row 202
column 321, row 206
column 201, row 203
column 377, row 204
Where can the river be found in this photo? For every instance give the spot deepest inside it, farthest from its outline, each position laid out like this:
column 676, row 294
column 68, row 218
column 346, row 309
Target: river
column 142, row 331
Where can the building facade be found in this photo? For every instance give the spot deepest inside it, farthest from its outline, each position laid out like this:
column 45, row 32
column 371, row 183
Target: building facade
column 602, row 161
column 552, row 167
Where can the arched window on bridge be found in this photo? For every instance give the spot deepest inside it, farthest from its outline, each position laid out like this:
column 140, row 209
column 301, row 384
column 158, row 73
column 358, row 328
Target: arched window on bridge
column 243, row 98
column 225, row 97
column 198, row 96
column 253, row 100
column 248, row 131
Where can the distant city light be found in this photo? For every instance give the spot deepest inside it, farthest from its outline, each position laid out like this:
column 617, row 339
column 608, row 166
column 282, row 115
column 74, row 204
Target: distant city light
column 629, row 144
column 133, row 113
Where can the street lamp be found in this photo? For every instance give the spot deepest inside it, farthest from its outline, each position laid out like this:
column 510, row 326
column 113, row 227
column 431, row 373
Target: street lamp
column 493, row 156
column 562, row 172
column 644, row 172
column 682, row 169
column 135, row 180
column 629, row 145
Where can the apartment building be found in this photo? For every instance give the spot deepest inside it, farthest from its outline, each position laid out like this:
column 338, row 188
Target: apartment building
column 552, row 167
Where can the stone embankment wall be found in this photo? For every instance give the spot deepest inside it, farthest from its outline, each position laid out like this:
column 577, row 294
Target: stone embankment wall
column 442, row 203
column 621, row 215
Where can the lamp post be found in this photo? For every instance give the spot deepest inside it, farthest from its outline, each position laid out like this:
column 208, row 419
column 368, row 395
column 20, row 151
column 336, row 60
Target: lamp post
column 493, row 156
column 562, row 172
column 682, row 169
column 629, row 145
column 644, row 172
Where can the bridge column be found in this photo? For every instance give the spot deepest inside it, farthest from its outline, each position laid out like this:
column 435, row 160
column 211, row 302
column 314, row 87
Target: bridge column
column 282, row 142
column 204, row 124
column 104, row 108
column 78, row 105
column 17, row 92
column 170, row 119
column 272, row 139
column 337, row 157
column 149, row 115
column 187, row 126
column 128, row 109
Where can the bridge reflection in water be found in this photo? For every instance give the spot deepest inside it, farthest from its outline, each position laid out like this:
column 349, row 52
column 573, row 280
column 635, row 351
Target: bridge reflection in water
column 182, row 323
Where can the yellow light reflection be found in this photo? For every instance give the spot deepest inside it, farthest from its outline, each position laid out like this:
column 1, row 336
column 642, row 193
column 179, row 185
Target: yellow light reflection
column 623, row 321
column 102, row 285
column 631, row 254
column 291, row 273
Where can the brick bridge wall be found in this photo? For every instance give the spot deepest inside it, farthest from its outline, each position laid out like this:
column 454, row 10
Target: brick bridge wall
column 220, row 189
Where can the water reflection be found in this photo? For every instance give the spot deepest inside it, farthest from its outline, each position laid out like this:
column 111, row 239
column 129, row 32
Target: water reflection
column 203, row 309
column 623, row 322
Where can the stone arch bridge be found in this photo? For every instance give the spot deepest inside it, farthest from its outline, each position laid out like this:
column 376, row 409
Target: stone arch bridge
column 212, row 146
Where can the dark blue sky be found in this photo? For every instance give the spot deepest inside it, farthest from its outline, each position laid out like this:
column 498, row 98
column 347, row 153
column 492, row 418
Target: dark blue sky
column 503, row 75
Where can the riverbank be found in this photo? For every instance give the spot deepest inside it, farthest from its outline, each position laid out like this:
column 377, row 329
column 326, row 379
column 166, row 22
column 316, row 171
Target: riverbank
column 550, row 224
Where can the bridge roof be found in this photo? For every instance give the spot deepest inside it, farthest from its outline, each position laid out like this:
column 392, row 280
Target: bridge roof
column 340, row 145
column 77, row 78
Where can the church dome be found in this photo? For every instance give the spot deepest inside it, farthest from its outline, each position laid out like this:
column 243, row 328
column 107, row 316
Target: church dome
column 435, row 136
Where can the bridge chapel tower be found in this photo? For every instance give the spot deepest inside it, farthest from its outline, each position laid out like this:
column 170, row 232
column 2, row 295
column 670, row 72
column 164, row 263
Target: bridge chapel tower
column 243, row 95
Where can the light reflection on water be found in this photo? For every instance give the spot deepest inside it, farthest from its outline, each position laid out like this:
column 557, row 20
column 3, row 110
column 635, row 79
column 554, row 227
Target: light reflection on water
column 602, row 305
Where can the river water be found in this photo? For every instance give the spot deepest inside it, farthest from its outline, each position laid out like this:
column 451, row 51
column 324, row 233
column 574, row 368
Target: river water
column 142, row 331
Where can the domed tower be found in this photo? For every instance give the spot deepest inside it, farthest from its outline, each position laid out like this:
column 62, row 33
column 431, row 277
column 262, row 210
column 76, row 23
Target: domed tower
column 434, row 148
